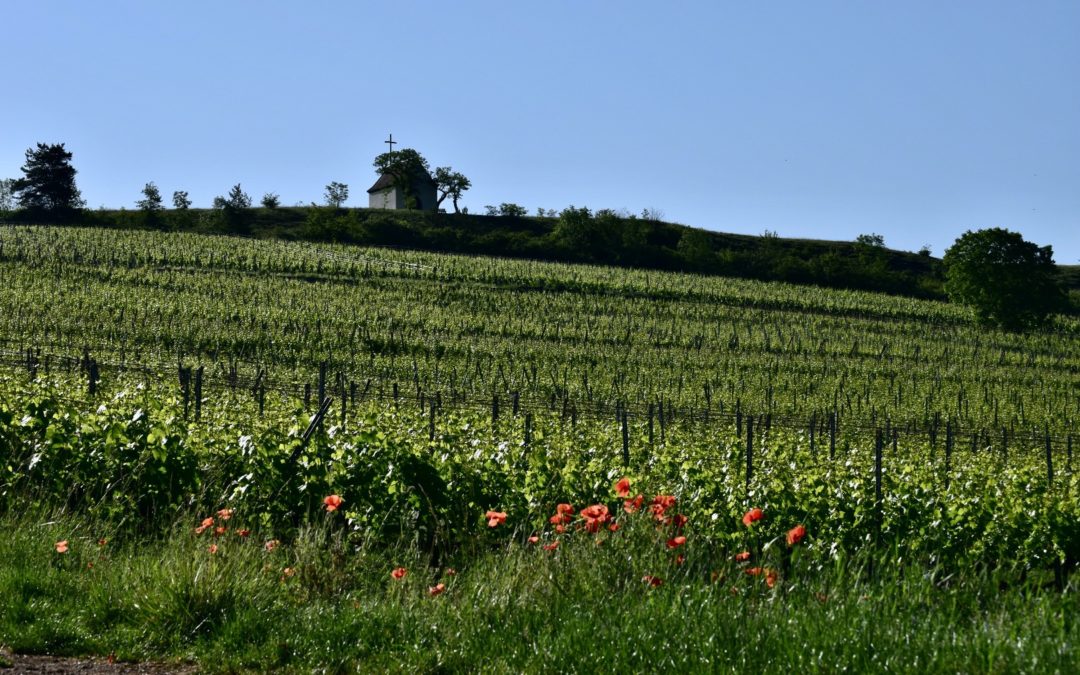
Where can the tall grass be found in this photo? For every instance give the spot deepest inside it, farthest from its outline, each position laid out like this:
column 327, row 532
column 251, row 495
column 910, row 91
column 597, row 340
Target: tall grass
column 506, row 608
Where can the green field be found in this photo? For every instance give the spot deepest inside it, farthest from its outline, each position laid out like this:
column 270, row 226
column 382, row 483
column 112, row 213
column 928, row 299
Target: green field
column 929, row 460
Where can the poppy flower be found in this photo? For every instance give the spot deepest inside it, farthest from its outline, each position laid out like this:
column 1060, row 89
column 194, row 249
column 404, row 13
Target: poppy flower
column 333, row 502
column 742, row 557
column 631, row 505
column 399, row 573
column 89, row 565
column 102, row 541
column 680, row 559
column 622, row 488
column 560, row 529
column 770, row 578
column 679, row 520
column 795, row 535
column 751, row 516
column 213, row 549
column 436, row 589
column 495, row 518
column 676, row 542
column 755, row 571
column 243, row 533
column 220, row 530
column 614, row 527
column 225, row 514
column 652, row 581
column 62, row 546
column 271, row 544
column 552, row 546
column 206, row 524
column 534, row 539
column 563, row 514
column 595, row 516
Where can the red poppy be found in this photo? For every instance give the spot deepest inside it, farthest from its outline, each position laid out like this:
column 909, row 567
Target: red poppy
column 563, row 514
column 770, row 578
column 680, row 559
column 102, row 541
column 534, row 539
column 213, row 549
column 752, row 515
column 220, row 530
column 243, row 533
column 614, row 527
column 622, row 488
column 560, row 529
column 333, row 502
column 495, row 518
column 651, row 580
column 679, row 520
column 631, row 505
column 795, row 535
column 595, row 516
column 755, row 571
column 206, row 524
column 742, row 557
column 271, row 544
column 676, row 542
column 62, row 546
column 399, row 573
column 225, row 514
column 552, row 546
column 436, row 589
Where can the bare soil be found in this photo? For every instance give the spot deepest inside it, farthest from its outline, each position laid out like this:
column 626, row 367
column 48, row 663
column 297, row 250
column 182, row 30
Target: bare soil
column 36, row 663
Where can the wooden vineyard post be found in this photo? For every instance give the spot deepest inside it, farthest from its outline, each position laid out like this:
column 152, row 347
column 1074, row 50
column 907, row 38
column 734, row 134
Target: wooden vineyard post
column 878, row 443
column 749, row 450
column 185, row 388
column 494, row 408
column 948, row 451
column 832, row 435
column 738, row 418
column 528, row 429
column 431, row 424
column 1004, row 445
column 1049, row 458
column 662, row 424
column 395, row 395
column 516, row 398
column 198, row 393
column 625, row 440
column 94, row 378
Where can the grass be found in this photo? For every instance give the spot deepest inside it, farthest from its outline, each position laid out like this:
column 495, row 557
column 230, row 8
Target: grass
column 508, row 608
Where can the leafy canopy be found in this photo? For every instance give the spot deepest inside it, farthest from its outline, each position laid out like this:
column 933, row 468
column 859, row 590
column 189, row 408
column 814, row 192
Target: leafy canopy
column 48, row 182
column 1009, row 282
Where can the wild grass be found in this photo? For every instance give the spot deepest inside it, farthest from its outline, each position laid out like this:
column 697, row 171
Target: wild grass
column 506, row 608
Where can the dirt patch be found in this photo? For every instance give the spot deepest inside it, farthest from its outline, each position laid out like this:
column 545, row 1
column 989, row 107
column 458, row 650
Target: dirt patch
column 33, row 663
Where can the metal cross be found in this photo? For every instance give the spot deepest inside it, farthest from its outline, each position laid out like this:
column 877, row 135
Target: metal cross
column 391, row 142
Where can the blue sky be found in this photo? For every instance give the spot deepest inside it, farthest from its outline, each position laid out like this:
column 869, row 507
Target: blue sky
column 913, row 120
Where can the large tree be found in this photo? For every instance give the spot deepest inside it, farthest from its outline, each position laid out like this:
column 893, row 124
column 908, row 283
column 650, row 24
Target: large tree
column 1009, row 282
column 404, row 167
column 450, row 184
column 48, row 182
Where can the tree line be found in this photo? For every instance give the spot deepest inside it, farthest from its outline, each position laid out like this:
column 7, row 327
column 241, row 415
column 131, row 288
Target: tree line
column 1008, row 282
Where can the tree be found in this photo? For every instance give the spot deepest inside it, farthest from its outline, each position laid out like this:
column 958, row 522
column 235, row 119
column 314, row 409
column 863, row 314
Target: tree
column 48, row 182
column 513, row 210
column 151, row 200
column 450, row 184
column 237, row 199
column 270, row 200
column 336, row 194
column 873, row 239
column 404, row 167
column 1006, row 280
column 180, row 200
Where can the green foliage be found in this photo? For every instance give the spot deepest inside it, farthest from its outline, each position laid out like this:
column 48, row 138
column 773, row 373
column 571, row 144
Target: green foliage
column 1007, row 281
column 270, row 200
column 181, row 201
column 48, row 183
column 336, row 194
column 451, row 184
column 151, row 201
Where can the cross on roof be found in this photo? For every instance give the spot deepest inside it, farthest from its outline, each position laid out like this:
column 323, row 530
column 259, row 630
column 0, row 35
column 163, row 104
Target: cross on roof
column 391, row 142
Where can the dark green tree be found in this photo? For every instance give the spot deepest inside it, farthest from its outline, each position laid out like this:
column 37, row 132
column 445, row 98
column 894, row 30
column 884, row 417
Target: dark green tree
column 271, row 200
column 336, row 194
column 404, row 167
column 1009, row 282
column 48, row 182
column 151, row 201
column 180, row 200
column 450, row 184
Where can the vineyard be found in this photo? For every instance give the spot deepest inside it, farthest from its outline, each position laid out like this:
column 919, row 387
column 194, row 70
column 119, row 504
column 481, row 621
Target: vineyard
column 150, row 379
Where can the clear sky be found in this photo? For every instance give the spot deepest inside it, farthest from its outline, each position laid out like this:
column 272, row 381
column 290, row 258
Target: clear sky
column 916, row 120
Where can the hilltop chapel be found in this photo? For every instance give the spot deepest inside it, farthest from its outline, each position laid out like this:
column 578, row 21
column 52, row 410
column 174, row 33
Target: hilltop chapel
column 387, row 193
